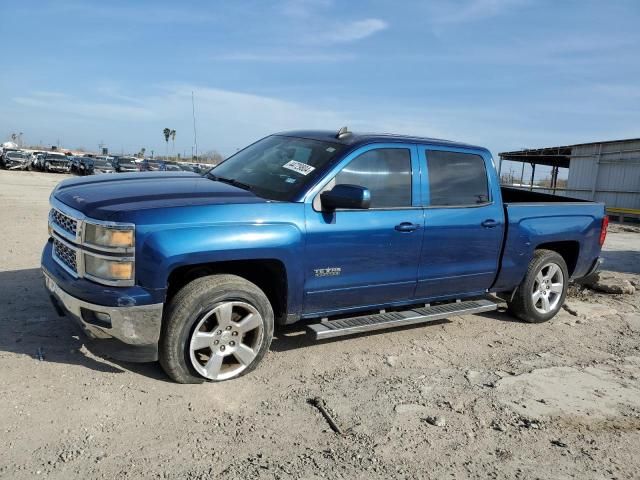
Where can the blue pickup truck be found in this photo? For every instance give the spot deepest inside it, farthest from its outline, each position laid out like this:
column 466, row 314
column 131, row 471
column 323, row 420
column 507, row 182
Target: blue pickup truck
column 346, row 232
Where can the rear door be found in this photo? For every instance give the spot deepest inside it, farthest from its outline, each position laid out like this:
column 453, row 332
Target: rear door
column 464, row 223
column 360, row 258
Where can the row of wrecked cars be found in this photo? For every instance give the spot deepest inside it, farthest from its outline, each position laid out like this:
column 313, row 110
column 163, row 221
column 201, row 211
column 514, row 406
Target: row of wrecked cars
column 15, row 159
column 59, row 162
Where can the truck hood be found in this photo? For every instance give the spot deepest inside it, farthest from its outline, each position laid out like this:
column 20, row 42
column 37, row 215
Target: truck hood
column 103, row 196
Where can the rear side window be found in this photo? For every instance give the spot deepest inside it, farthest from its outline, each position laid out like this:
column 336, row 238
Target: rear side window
column 386, row 172
column 456, row 179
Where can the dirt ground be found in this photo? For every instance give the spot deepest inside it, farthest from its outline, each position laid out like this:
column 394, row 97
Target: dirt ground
column 481, row 396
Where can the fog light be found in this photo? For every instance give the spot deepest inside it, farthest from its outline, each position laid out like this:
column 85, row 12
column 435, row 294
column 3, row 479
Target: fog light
column 99, row 319
column 103, row 317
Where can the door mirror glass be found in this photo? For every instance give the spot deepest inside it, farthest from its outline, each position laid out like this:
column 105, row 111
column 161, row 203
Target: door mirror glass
column 346, row 196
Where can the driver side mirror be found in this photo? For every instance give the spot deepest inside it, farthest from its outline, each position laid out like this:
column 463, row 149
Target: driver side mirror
column 346, row 196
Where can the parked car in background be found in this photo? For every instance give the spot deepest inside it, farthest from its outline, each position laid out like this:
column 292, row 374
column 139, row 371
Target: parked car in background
column 85, row 165
column 101, row 165
column 106, row 157
column 5, row 152
column 56, row 162
column 17, row 160
column 148, row 165
column 172, row 167
column 125, row 164
column 38, row 161
column 188, row 167
column 74, row 162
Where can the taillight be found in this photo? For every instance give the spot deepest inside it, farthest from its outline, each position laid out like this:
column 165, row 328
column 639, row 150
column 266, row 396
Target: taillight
column 603, row 231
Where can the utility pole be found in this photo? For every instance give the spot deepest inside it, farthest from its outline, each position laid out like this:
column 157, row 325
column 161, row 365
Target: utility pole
column 193, row 111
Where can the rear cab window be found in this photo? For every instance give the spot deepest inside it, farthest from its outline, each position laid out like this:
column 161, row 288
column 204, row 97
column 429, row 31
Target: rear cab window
column 456, row 179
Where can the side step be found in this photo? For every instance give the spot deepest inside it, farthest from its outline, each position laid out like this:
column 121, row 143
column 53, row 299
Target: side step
column 380, row 321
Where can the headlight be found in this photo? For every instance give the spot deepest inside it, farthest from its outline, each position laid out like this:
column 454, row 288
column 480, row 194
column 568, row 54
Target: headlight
column 112, row 270
column 108, row 236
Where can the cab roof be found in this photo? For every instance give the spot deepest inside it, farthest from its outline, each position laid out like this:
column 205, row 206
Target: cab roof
column 354, row 139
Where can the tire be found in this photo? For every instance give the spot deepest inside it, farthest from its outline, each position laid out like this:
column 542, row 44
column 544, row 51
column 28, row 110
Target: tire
column 547, row 272
column 205, row 333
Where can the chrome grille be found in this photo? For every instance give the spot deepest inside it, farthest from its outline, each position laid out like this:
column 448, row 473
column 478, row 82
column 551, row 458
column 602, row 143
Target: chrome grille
column 68, row 224
column 65, row 254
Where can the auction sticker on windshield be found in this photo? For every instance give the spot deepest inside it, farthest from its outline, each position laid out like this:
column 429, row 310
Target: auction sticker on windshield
column 299, row 167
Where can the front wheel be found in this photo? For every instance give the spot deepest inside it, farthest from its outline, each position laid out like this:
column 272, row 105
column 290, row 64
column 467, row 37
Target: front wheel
column 216, row 328
column 541, row 293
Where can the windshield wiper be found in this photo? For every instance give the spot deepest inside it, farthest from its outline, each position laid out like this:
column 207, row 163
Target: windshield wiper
column 231, row 181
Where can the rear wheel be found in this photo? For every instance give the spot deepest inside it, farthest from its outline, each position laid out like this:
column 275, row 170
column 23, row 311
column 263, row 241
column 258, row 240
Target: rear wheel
column 216, row 328
column 541, row 293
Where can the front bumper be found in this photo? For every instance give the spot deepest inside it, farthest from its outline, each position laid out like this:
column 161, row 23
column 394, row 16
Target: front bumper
column 58, row 168
column 128, row 333
column 16, row 165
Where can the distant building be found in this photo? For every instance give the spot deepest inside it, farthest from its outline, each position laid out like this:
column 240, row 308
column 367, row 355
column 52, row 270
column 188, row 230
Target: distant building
column 607, row 172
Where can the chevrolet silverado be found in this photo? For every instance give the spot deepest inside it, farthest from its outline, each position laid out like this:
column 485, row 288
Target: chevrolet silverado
column 346, row 232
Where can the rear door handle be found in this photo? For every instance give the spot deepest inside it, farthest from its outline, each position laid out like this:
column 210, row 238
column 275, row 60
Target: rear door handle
column 489, row 223
column 406, row 227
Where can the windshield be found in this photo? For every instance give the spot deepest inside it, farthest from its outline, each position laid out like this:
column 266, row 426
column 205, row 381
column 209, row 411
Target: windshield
column 277, row 167
column 172, row 167
column 153, row 165
column 16, row 155
column 128, row 162
column 101, row 162
column 56, row 157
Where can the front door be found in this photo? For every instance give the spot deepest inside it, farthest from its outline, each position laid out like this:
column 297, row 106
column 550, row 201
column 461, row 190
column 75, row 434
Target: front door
column 360, row 258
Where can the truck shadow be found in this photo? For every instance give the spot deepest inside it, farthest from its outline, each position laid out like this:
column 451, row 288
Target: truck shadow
column 29, row 326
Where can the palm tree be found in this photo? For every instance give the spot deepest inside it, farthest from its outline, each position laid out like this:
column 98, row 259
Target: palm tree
column 167, row 133
column 173, row 141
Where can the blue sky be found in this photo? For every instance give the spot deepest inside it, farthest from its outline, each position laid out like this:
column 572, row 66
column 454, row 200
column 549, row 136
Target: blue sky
column 501, row 73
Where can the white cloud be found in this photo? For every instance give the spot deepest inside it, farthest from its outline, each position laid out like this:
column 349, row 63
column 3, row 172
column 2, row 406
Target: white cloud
column 67, row 104
column 352, row 31
column 226, row 120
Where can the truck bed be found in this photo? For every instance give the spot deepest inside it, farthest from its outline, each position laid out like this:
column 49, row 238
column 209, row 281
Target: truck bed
column 520, row 195
column 534, row 219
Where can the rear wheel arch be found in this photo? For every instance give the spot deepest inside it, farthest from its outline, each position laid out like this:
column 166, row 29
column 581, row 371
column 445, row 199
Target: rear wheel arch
column 569, row 250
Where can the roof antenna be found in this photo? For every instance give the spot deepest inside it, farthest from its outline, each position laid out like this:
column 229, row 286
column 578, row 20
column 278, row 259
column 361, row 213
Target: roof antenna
column 343, row 132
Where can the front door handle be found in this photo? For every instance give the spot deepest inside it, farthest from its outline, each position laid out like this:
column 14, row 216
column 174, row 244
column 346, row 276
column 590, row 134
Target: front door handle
column 406, row 227
column 489, row 223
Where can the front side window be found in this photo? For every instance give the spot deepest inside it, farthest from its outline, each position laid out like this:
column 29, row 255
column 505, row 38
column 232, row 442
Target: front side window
column 386, row 172
column 456, row 179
